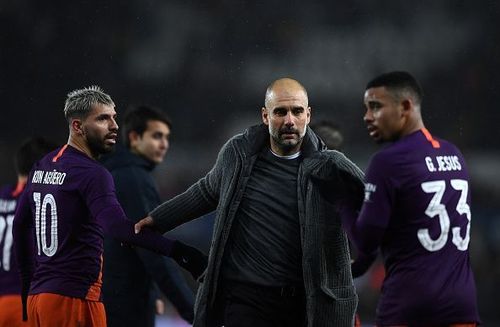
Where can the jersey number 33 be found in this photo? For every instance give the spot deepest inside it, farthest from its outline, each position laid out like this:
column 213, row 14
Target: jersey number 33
column 436, row 208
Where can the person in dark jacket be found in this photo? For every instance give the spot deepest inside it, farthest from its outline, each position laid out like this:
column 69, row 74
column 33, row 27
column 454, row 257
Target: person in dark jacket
column 132, row 275
column 279, row 256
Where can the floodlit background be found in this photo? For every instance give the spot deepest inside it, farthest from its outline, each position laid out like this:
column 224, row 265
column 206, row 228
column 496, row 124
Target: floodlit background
column 208, row 63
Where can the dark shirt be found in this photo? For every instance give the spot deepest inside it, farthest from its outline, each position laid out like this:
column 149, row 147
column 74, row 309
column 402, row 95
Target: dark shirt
column 129, row 272
column 264, row 246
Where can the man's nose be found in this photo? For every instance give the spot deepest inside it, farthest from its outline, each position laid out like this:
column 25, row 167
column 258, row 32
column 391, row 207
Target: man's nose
column 289, row 119
column 368, row 117
column 113, row 125
column 164, row 144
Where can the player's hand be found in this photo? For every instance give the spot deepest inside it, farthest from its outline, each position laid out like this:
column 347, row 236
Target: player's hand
column 145, row 222
column 189, row 258
column 341, row 189
column 160, row 306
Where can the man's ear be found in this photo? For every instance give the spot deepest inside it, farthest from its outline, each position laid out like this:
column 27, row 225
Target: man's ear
column 265, row 116
column 77, row 126
column 133, row 137
column 407, row 105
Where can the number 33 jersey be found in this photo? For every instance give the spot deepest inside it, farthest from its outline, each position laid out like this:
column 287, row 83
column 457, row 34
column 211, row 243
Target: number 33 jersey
column 64, row 192
column 417, row 190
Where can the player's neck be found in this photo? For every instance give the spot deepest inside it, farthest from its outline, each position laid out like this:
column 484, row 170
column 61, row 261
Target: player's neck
column 413, row 127
column 81, row 145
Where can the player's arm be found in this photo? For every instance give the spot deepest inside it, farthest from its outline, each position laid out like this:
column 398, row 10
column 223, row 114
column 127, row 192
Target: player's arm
column 198, row 200
column 366, row 228
column 362, row 263
column 23, row 246
column 101, row 200
column 339, row 180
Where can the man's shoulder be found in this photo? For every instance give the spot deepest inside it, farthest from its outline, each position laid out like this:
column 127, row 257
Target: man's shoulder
column 238, row 142
column 123, row 158
column 331, row 154
column 449, row 146
column 334, row 157
column 83, row 170
column 6, row 191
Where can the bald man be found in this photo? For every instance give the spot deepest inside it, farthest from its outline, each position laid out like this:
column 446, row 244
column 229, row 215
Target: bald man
column 278, row 255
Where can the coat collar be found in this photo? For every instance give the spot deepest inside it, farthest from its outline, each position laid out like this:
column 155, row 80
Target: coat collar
column 123, row 157
column 257, row 137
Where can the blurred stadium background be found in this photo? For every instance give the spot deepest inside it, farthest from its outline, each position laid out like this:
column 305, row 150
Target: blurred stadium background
column 208, row 63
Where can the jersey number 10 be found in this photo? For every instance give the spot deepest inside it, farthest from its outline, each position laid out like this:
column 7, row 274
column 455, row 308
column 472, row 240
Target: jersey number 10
column 41, row 210
column 436, row 208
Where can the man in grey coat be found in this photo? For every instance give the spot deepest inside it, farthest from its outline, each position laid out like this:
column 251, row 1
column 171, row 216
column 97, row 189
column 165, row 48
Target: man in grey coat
column 278, row 255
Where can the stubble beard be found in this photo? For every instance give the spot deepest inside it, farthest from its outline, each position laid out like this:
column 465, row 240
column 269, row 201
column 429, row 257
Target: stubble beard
column 97, row 145
column 286, row 145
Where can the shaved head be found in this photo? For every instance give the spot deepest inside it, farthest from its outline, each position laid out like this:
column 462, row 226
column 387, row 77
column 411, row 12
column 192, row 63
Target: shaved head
column 287, row 114
column 284, row 87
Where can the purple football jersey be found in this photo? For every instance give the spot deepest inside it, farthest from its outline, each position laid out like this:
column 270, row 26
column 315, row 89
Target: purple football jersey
column 68, row 204
column 9, row 277
column 417, row 198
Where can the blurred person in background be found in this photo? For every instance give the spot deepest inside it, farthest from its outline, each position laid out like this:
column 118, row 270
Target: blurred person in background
column 278, row 256
column 68, row 205
column 131, row 275
column 330, row 133
column 27, row 154
column 416, row 210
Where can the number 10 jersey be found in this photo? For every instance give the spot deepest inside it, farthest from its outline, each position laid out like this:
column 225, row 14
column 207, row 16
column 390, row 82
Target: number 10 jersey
column 64, row 193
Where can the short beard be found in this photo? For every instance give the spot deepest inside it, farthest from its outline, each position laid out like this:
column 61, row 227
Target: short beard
column 285, row 145
column 97, row 146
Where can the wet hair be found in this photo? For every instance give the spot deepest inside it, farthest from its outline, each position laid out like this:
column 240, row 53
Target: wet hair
column 137, row 117
column 79, row 102
column 31, row 151
column 399, row 83
column 330, row 133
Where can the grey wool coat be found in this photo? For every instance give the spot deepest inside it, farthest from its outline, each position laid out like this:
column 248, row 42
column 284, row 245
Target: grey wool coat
column 323, row 177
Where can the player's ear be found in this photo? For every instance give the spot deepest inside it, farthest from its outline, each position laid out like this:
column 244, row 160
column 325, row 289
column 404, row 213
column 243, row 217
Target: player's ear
column 265, row 115
column 407, row 105
column 77, row 126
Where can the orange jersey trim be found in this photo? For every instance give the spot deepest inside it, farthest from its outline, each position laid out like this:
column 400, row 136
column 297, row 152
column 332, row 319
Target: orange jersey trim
column 60, row 153
column 428, row 136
